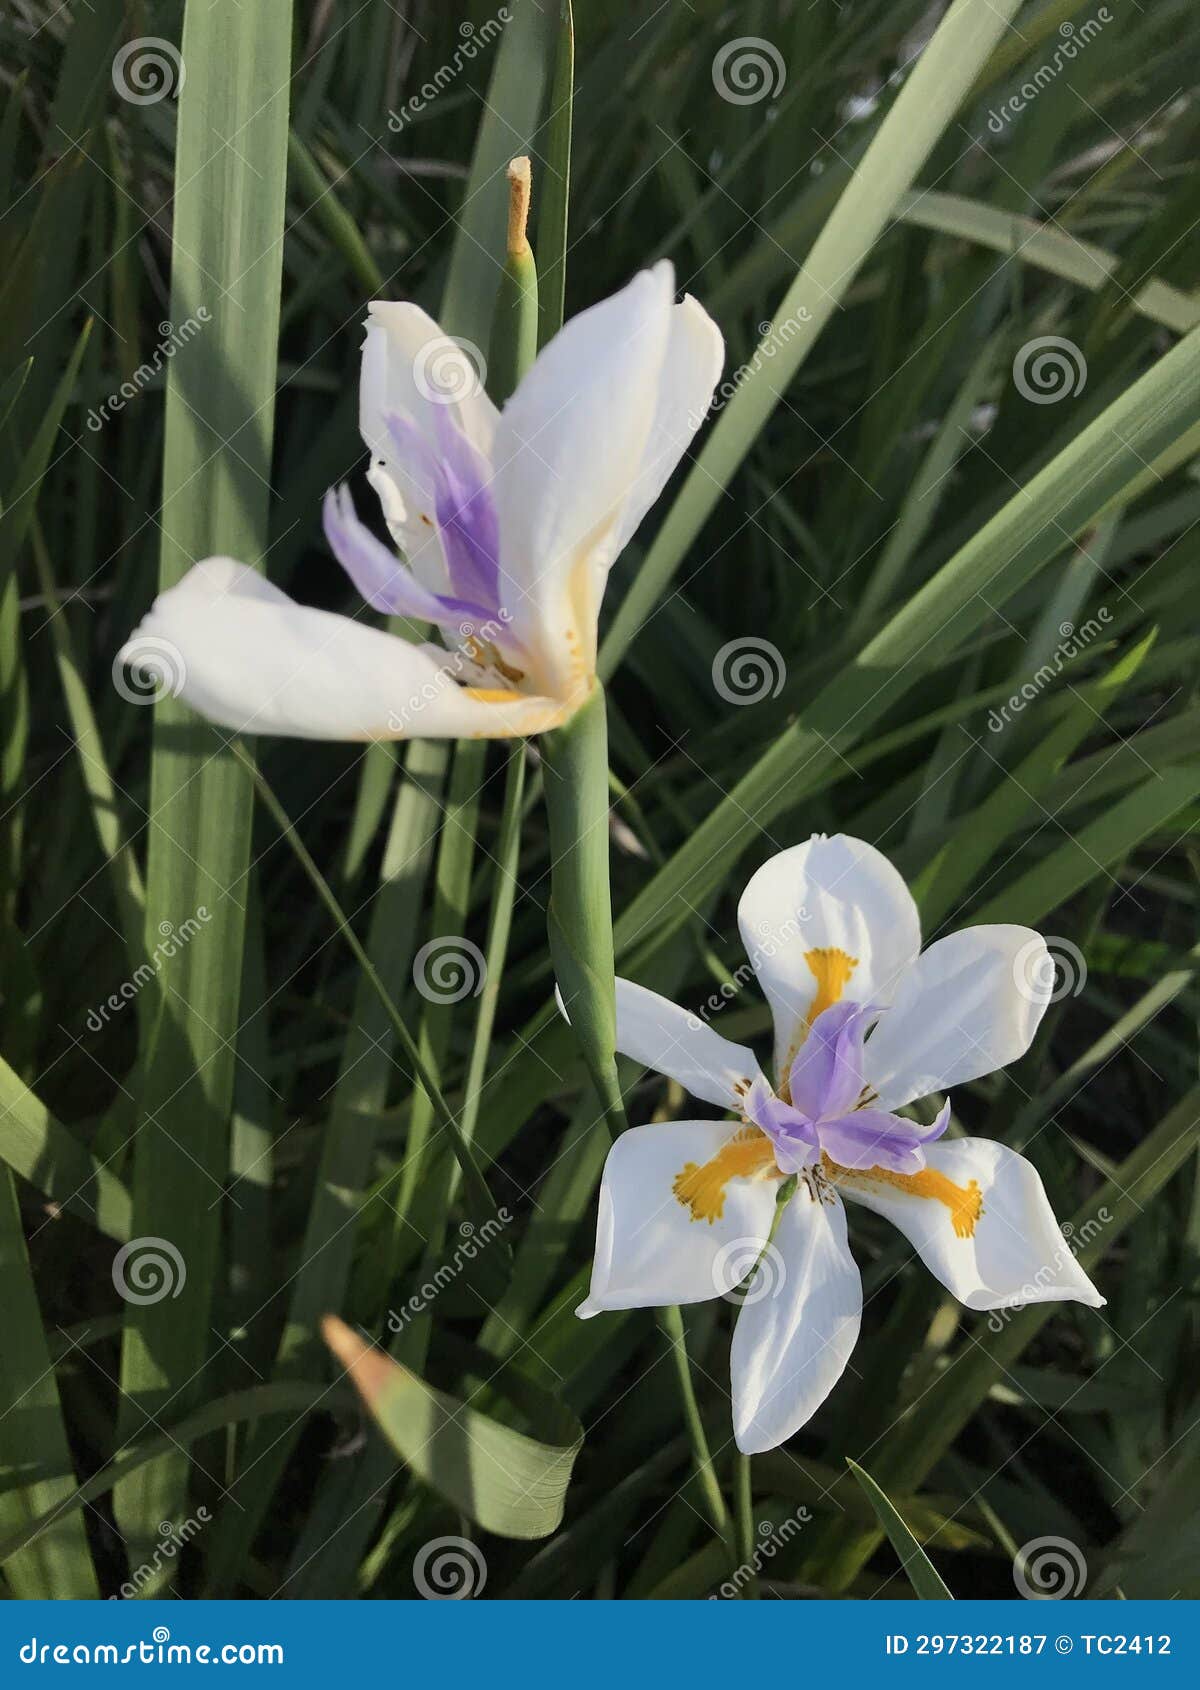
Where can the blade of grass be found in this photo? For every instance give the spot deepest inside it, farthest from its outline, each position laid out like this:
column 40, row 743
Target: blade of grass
column 230, row 168
column 42, row 1151
column 1097, row 467
column 923, row 109
column 1052, row 249
column 919, row 1569
column 555, row 184
column 54, row 1562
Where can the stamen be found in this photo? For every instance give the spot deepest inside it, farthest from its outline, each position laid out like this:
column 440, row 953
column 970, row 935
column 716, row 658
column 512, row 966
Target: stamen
column 486, row 655
column 700, row 1187
column 965, row 1202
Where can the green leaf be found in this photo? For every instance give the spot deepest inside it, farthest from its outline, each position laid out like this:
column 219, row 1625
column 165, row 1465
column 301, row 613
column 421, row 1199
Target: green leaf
column 1103, row 842
column 504, row 1480
column 1098, row 466
column 919, row 1569
column 553, row 187
column 227, row 249
column 42, row 1151
column 296, row 1398
column 925, row 106
column 53, row 1561
column 507, row 128
column 1048, row 247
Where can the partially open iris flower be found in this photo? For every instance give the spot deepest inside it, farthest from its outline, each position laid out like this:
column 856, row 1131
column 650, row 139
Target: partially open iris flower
column 508, row 522
column 865, row 1024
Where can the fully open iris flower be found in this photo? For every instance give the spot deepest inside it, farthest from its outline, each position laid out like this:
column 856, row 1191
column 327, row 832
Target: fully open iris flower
column 508, row 522
column 865, row 1024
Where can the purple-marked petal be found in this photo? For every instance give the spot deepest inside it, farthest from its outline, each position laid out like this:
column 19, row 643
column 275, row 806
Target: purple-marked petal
column 871, row 1138
column 466, row 514
column 826, row 1077
column 927, row 1135
column 793, row 1135
column 454, row 494
column 379, row 575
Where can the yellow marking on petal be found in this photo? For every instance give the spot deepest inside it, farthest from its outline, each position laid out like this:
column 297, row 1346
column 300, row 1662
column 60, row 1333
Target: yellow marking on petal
column 495, row 695
column 965, row 1202
column 832, row 969
column 700, row 1186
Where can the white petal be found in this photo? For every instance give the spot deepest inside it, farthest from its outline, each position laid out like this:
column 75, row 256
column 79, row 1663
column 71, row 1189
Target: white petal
column 569, row 448
column 400, row 370
column 249, row 658
column 402, row 353
column 834, row 893
column 1016, row 1254
column 649, row 1250
column 970, row 1005
column 799, row 1324
column 690, row 370
column 660, row 1035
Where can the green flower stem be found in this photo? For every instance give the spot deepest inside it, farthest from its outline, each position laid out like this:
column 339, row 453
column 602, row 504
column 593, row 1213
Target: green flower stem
column 671, row 1325
column 743, row 1508
column 508, row 846
column 575, row 757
